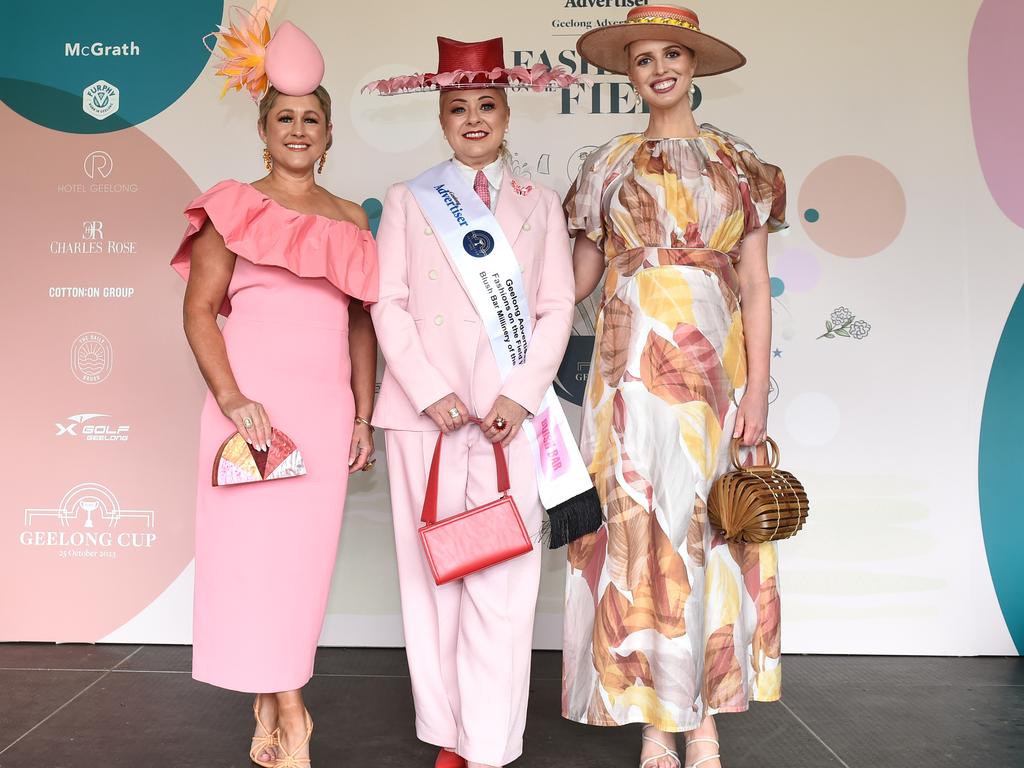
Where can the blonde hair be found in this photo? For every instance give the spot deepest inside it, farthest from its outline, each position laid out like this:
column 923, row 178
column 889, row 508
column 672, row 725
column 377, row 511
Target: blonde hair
column 267, row 104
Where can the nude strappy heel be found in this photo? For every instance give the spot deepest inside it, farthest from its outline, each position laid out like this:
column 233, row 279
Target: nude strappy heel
column 703, row 760
column 670, row 753
column 263, row 743
column 290, row 760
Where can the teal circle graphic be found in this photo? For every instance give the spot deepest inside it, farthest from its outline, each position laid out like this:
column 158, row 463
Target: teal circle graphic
column 96, row 66
column 1002, row 424
column 374, row 208
column 811, row 215
column 778, row 287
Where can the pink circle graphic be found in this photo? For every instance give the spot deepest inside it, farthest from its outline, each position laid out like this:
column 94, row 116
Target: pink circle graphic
column 99, row 516
column 798, row 268
column 859, row 204
column 997, row 114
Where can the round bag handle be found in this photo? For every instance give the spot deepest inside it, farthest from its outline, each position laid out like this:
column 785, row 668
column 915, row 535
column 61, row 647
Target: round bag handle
column 773, row 454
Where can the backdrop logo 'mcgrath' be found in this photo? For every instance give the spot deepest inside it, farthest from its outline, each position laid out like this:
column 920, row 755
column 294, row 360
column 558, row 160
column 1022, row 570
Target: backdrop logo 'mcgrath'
column 92, row 358
column 89, row 522
column 100, row 50
column 101, row 99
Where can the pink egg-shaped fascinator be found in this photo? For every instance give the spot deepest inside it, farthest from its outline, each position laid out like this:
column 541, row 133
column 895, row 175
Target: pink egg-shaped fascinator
column 294, row 64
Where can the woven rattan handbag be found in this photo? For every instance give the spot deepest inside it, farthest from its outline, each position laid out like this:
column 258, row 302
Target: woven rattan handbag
column 757, row 504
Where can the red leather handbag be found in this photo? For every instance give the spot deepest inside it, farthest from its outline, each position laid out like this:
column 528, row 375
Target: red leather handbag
column 477, row 538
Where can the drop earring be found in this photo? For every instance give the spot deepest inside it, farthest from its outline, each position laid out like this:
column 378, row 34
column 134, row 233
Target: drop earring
column 266, row 158
column 323, row 159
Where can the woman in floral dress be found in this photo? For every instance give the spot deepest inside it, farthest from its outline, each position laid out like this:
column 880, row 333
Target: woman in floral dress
column 666, row 623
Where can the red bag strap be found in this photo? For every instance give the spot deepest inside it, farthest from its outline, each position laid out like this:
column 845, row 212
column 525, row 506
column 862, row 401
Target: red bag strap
column 429, row 515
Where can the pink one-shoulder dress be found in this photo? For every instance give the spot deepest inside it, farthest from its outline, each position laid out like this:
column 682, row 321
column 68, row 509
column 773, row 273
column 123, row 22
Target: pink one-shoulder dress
column 265, row 551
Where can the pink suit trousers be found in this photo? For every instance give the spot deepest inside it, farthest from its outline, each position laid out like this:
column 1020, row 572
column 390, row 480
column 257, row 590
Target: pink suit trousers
column 469, row 641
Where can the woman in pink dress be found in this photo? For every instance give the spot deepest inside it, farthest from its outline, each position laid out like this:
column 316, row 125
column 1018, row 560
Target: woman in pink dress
column 292, row 267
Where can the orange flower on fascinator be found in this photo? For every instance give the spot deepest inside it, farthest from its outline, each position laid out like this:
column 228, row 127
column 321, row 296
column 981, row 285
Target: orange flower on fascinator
column 242, row 48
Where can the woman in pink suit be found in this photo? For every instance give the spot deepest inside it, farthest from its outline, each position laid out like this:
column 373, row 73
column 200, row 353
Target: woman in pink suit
column 292, row 265
column 468, row 641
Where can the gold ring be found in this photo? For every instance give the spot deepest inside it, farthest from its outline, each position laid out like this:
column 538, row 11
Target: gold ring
column 368, row 465
column 454, row 413
column 247, row 422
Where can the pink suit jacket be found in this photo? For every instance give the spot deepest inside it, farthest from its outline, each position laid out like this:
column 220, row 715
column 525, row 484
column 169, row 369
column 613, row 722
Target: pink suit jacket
column 431, row 337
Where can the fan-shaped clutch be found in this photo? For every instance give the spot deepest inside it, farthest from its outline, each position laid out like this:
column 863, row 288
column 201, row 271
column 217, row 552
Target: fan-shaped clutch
column 238, row 462
column 757, row 504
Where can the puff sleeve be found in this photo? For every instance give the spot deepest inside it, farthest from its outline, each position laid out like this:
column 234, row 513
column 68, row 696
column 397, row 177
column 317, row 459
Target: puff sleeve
column 583, row 203
column 258, row 229
column 762, row 185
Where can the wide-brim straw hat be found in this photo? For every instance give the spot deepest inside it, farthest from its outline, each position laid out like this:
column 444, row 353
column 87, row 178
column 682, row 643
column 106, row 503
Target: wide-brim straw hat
column 606, row 46
column 474, row 65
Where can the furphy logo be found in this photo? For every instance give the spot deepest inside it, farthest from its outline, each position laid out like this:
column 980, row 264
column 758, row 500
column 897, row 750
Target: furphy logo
column 92, row 358
column 93, row 241
column 98, row 163
column 89, row 522
column 79, row 426
column 101, row 99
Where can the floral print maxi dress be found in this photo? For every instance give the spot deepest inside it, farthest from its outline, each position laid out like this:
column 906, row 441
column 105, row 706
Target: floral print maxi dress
column 666, row 622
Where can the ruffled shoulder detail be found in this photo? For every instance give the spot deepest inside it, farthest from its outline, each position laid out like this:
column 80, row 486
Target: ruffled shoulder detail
column 262, row 231
column 762, row 185
column 583, row 203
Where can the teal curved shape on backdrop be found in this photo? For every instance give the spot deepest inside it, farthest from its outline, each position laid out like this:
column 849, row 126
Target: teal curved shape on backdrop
column 999, row 472
column 162, row 55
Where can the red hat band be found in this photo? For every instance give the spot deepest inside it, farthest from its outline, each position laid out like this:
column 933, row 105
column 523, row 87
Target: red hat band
column 663, row 12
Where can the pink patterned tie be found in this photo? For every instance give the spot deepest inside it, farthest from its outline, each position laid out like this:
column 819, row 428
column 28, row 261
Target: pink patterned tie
column 481, row 188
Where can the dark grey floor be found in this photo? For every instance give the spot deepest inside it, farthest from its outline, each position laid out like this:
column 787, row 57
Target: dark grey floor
column 106, row 706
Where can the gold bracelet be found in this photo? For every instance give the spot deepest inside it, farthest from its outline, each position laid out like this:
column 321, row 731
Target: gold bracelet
column 361, row 420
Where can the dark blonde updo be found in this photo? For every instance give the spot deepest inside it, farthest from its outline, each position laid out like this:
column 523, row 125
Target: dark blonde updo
column 267, row 103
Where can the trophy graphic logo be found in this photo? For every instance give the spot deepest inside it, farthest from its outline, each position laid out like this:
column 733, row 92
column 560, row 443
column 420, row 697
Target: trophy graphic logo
column 90, row 504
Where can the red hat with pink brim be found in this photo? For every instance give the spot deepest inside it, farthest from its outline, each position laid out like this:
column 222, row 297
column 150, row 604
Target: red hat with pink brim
column 475, row 65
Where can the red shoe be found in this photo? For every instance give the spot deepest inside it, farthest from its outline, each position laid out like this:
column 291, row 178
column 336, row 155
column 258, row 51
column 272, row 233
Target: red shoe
column 446, row 759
